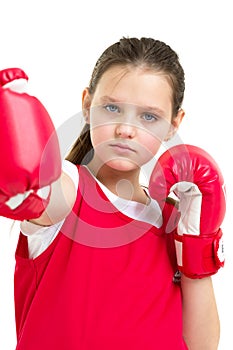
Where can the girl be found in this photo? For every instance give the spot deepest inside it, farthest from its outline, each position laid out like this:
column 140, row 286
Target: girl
column 94, row 271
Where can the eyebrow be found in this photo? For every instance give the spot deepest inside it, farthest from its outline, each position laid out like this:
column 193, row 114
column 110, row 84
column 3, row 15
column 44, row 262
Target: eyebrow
column 154, row 109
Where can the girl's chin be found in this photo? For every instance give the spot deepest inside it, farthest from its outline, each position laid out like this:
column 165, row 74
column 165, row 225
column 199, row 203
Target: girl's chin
column 122, row 165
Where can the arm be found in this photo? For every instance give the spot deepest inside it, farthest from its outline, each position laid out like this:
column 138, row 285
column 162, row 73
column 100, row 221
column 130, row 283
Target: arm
column 62, row 198
column 195, row 178
column 201, row 328
column 33, row 187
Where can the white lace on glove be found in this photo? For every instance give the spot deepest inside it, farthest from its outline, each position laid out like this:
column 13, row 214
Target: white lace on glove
column 190, row 200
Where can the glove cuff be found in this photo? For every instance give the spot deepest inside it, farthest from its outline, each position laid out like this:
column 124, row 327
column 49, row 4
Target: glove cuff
column 31, row 208
column 199, row 256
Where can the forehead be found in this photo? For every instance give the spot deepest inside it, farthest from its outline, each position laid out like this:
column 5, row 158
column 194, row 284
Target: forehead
column 136, row 85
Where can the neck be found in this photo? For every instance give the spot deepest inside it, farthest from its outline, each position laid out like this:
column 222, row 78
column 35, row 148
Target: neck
column 124, row 184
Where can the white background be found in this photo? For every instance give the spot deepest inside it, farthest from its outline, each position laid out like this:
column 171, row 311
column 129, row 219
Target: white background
column 58, row 42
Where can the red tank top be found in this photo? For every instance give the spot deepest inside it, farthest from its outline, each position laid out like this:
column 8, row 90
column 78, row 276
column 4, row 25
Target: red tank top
column 104, row 283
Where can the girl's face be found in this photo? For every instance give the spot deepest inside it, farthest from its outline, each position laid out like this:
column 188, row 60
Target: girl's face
column 130, row 114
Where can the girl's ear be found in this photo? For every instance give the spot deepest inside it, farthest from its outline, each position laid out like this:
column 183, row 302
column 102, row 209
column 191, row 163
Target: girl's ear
column 175, row 124
column 86, row 104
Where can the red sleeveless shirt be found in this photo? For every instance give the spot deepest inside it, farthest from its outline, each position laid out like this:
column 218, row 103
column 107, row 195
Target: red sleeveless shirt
column 104, row 283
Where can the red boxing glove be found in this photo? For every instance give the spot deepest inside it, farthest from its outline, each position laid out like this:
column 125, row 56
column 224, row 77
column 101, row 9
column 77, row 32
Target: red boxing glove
column 29, row 151
column 195, row 178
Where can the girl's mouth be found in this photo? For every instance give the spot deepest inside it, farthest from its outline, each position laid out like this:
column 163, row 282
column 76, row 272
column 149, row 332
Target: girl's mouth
column 122, row 147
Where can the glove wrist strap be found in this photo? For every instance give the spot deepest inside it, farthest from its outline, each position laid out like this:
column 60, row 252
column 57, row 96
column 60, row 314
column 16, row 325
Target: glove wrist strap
column 199, row 256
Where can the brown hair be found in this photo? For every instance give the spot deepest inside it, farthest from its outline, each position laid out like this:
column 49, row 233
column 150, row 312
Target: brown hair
column 146, row 52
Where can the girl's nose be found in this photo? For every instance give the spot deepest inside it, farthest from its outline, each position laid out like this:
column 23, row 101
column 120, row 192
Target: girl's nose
column 124, row 130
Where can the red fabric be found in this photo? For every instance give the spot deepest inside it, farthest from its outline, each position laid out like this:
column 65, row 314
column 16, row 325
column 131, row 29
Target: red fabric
column 75, row 296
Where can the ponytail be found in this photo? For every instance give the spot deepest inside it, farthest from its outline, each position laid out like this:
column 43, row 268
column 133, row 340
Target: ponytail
column 82, row 150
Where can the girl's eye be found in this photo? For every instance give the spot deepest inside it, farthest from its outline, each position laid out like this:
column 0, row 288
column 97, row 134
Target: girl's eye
column 112, row 108
column 149, row 117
